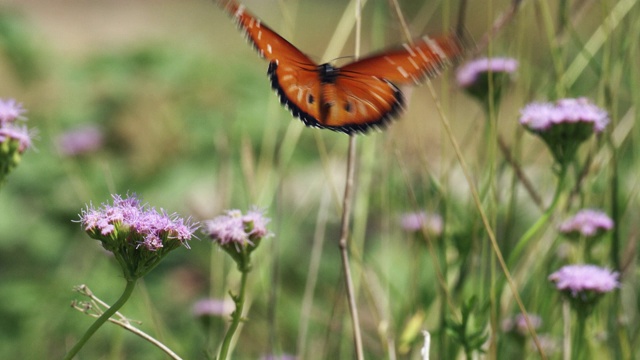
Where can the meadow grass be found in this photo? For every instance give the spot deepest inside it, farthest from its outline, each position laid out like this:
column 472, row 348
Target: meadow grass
column 189, row 123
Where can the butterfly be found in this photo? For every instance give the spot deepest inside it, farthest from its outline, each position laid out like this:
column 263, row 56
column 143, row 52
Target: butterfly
column 353, row 98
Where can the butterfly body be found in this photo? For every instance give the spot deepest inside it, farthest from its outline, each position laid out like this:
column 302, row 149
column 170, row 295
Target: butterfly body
column 350, row 99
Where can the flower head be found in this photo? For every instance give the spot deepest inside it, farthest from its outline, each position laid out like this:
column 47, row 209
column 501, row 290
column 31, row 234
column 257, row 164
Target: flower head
column 584, row 284
column 10, row 110
column 416, row 221
column 565, row 124
column 587, row 223
column 14, row 139
column 137, row 234
column 577, row 279
column 474, row 76
column 80, row 141
column 238, row 234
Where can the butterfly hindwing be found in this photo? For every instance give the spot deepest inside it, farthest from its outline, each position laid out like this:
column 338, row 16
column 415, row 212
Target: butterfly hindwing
column 356, row 103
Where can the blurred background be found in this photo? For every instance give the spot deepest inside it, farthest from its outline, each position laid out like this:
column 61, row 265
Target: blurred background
column 167, row 100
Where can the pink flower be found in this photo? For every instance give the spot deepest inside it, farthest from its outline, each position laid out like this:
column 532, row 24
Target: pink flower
column 587, row 223
column 469, row 74
column 212, row 307
column 238, row 229
column 80, row 141
column 415, row 221
column 542, row 116
column 10, row 110
column 518, row 323
column 128, row 219
column 577, row 279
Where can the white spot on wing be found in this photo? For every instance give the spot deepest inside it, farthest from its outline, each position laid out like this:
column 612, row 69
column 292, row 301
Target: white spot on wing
column 402, row 72
column 435, row 47
column 269, row 49
column 409, row 49
column 240, row 11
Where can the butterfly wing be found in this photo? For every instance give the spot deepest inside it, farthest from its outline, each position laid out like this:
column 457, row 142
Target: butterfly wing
column 293, row 75
column 427, row 57
column 357, row 103
column 267, row 42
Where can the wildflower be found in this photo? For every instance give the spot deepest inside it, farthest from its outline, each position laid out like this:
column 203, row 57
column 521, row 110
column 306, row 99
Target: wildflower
column 474, row 76
column 587, row 223
column 212, row 307
column 80, row 141
column 10, row 110
column 584, row 284
column 518, row 324
column 137, row 235
column 14, row 139
column 564, row 125
column 238, row 234
column 416, row 221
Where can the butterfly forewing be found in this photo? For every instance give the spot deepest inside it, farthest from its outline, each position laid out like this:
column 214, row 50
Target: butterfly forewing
column 412, row 63
column 267, row 42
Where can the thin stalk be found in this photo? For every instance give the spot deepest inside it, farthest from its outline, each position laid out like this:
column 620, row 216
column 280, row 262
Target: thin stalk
column 524, row 240
column 578, row 347
column 344, row 249
column 126, row 294
column 236, row 317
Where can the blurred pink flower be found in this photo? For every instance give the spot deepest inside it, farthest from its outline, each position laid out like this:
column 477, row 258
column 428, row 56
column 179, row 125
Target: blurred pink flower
column 468, row 74
column 10, row 110
column 415, row 221
column 80, row 141
column 587, row 222
column 576, row 279
column 542, row 116
column 518, row 324
column 212, row 307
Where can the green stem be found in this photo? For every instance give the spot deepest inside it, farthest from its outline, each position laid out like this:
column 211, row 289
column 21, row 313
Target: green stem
column 128, row 290
column 579, row 343
column 526, row 238
column 236, row 317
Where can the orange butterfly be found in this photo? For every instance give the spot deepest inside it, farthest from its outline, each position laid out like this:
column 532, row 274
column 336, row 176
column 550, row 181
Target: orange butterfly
column 352, row 98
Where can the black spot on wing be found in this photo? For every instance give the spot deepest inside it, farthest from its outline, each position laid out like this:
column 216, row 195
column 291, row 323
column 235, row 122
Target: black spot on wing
column 348, row 129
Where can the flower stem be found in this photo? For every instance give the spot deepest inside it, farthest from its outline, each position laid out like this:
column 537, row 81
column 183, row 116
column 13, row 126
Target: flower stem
column 579, row 343
column 236, row 317
column 128, row 290
column 524, row 240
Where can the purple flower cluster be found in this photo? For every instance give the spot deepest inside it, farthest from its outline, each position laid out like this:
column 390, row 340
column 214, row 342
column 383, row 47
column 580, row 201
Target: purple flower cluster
column 129, row 219
column 469, row 74
column 10, row 112
column 542, row 116
column 581, row 279
column 416, row 221
column 80, row 141
column 237, row 229
column 587, row 222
